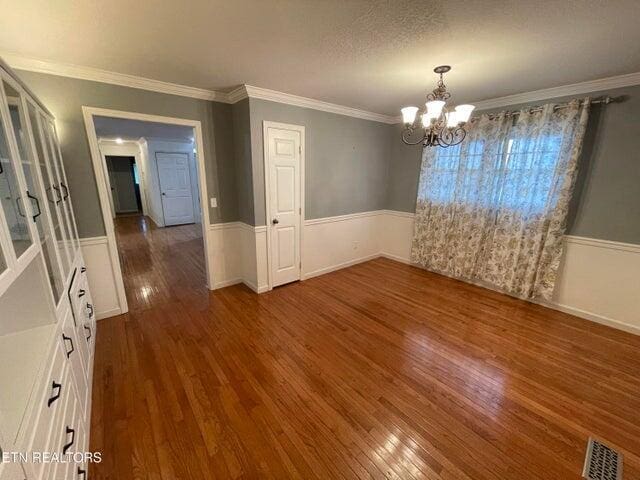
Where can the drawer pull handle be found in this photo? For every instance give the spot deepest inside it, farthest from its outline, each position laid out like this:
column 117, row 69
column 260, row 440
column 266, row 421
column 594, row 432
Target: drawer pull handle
column 90, row 308
column 67, row 446
column 82, row 473
column 19, row 208
column 83, row 269
column 81, row 293
column 37, row 205
column 88, row 329
column 68, row 339
column 66, row 191
column 57, row 388
column 59, row 199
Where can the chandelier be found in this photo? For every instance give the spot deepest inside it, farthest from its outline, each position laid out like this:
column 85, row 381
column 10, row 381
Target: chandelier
column 442, row 127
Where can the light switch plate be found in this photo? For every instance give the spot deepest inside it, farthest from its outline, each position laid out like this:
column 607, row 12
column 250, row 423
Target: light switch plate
column 214, row 202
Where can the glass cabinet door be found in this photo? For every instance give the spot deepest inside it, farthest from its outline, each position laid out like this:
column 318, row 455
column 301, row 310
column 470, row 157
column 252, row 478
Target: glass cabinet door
column 52, row 193
column 12, row 198
column 60, row 187
column 35, row 191
column 74, row 243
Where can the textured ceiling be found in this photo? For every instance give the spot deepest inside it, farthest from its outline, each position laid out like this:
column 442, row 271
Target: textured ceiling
column 109, row 127
column 377, row 55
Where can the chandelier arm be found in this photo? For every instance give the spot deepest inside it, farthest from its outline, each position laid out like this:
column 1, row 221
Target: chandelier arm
column 404, row 139
column 452, row 137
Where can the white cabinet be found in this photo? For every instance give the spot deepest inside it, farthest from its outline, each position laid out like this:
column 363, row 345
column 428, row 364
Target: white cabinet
column 47, row 325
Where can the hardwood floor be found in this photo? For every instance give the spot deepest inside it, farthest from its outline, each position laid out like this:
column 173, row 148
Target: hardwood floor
column 160, row 265
column 380, row 370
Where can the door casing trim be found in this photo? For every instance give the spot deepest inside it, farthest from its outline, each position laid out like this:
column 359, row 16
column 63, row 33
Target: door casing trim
column 99, row 171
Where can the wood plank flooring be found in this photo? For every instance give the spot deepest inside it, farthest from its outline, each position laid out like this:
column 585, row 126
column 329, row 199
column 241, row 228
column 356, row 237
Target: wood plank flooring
column 160, row 265
column 380, row 370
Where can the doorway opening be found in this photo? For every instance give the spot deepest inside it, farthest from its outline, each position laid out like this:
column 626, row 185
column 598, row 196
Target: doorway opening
column 151, row 181
column 125, row 185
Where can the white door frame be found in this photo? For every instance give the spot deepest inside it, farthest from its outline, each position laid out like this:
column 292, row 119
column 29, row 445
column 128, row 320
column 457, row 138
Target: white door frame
column 265, row 149
column 99, row 169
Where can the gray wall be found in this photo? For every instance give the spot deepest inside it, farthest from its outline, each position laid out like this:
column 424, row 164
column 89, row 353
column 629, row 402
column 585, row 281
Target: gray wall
column 606, row 202
column 64, row 97
column 352, row 165
column 346, row 160
column 243, row 165
column 404, row 173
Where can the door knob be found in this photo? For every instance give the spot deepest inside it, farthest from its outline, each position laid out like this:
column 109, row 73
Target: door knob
column 275, row 221
column 164, row 194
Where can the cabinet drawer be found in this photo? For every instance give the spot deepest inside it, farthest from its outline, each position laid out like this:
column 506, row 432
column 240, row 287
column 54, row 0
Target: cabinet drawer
column 52, row 408
column 65, row 437
column 71, row 346
column 72, row 439
column 57, row 437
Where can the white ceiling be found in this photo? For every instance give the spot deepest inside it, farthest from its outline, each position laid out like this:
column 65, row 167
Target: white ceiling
column 376, row 55
column 108, row 127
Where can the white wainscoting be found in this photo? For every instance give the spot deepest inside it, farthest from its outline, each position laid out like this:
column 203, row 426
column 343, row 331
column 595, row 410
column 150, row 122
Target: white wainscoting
column 225, row 255
column 598, row 280
column 332, row 243
column 396, row 232
column 95, row 251
column 238, row 253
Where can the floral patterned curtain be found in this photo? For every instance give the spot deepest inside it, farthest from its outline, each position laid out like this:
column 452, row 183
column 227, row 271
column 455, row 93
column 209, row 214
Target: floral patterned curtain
column 493, row 209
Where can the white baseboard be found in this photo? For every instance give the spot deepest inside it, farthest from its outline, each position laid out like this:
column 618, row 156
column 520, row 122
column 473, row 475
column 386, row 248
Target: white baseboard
column 256, row 288
column 594, row 317
column 597, row 281
column 108, row 313
column 226, row 283
column 397, row 258
column 338, row 266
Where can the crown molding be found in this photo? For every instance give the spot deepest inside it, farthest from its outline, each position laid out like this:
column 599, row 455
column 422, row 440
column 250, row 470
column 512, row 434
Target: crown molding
column 304, row 102
column 240, row 93
column 249, row 91
column 590, row 86
column 19, row 62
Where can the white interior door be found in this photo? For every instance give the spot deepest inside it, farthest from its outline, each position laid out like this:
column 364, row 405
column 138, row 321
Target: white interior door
column 283, row 153
column 175, row 188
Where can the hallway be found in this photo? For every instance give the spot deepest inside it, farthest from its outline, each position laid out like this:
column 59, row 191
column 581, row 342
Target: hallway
column 159, row 265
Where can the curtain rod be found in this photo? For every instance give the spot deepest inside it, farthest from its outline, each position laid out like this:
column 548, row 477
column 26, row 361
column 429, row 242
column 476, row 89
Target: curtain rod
column 607, row 99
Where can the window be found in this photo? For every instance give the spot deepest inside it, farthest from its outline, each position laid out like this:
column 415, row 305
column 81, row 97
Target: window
column 530, row 165
column 460, row 163
column 519, row 177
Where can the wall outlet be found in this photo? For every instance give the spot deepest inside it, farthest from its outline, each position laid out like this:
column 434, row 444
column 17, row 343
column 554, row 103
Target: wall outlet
column 214, row 202
column 356, row 244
